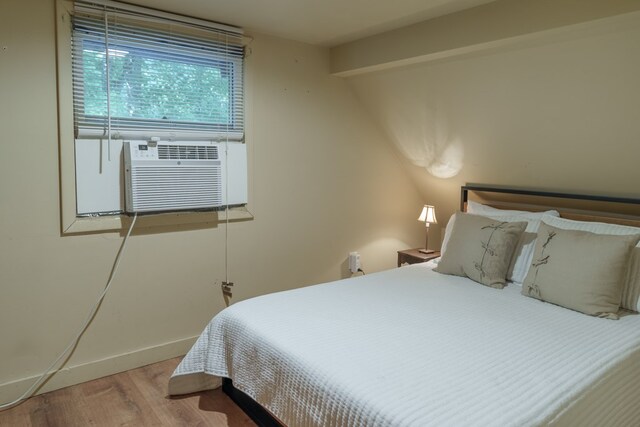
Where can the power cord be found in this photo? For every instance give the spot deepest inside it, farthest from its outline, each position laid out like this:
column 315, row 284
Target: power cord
column 226, row 285
column 34, row 387
column 362, row 271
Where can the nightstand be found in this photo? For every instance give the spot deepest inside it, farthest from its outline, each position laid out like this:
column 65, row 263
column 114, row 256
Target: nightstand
column 414, row 256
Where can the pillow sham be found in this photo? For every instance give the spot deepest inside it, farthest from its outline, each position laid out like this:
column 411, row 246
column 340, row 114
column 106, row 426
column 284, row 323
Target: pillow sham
column 480, row 248
column 631, row 289
column 523, row 253
column 579, row 270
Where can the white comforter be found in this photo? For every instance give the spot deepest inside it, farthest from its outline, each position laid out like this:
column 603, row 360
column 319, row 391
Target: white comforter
column 411, row 347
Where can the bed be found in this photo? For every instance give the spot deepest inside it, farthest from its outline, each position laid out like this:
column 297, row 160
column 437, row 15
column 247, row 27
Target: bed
column 414, row 347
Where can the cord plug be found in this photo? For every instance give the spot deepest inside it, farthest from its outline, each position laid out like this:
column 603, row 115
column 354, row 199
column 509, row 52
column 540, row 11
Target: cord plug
column 226, row 289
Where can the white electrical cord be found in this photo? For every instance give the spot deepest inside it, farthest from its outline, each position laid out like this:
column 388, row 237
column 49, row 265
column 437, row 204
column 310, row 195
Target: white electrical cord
column 27, row 394
column 226, row 214
column 226, row 184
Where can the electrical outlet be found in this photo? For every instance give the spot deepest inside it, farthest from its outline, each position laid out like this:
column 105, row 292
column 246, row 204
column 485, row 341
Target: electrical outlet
column 354, row 262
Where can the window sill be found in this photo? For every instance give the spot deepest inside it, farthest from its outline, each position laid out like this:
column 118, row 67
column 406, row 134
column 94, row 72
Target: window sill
column 118, row 222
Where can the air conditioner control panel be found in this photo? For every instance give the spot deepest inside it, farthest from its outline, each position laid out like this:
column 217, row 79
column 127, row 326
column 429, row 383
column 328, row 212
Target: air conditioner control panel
column 144, row 151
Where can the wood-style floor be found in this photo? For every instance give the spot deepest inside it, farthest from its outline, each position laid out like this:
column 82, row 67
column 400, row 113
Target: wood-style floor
column 133, row 398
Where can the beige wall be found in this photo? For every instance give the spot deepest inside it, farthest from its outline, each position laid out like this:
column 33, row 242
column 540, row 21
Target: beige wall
column 324, row 182
column 560, row 114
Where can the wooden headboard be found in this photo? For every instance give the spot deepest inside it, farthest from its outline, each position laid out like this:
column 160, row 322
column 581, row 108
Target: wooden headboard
column 582, row 207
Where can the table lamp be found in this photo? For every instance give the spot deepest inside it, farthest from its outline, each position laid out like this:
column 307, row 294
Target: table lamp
column 428, row 216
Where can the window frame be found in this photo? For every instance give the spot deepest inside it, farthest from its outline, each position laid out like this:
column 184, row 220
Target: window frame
column 70, row 223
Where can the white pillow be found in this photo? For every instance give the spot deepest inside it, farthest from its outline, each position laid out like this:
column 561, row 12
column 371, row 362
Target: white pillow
column 523, row 253
column 631, row 289
column 480, row 209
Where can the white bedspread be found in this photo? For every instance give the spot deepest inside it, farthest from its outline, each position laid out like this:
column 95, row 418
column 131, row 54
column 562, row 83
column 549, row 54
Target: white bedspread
column 411, row 347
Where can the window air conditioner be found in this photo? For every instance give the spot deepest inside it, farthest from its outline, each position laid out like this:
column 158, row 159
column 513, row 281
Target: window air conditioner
column 174, row 176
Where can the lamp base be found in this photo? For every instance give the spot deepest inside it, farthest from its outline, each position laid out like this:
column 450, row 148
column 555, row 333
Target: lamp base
column 426, row 251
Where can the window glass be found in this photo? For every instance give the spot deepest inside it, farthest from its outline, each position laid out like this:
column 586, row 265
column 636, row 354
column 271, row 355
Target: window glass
column 128, row 77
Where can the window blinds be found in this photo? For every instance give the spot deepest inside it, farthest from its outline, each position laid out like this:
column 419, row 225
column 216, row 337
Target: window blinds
column 139, row 73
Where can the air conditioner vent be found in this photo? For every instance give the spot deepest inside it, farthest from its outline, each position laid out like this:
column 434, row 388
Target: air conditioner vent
column 187, row 152
column 166, row 177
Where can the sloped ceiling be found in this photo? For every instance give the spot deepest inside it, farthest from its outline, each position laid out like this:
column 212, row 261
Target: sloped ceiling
column 319, row 22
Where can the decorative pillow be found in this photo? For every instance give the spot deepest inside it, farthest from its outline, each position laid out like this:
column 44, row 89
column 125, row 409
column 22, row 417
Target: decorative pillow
column 631, row 288
column 523, row 254
column 480, row 248
column 447, row 234
column 579, row 270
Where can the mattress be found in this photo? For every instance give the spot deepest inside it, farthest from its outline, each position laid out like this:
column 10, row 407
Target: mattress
column 412, row 347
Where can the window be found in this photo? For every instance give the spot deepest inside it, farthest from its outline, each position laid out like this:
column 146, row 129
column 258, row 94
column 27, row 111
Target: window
column 140, row 75
column 128, row 73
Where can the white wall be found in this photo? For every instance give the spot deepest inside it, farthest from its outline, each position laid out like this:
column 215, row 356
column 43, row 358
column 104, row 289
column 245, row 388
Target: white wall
column 325, row 182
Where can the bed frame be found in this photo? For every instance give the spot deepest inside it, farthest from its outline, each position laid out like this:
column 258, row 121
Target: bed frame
column 583, row 207
column 253, row 409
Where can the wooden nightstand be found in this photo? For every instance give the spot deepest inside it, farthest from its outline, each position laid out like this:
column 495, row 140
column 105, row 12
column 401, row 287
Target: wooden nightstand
column 413, row 256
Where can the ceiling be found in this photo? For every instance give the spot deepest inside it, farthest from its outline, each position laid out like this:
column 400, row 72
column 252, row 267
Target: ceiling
column 319, row 22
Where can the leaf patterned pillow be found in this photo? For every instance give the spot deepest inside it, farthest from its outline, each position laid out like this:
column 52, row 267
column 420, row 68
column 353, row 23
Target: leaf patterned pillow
column 579, row 270
column 480, row 248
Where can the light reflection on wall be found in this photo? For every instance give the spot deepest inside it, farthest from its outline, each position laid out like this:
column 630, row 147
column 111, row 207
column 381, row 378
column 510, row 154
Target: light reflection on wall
column 426, row 141
column 448, row 162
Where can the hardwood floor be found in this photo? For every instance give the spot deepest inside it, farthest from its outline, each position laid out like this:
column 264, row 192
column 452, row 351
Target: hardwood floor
column 132, row 398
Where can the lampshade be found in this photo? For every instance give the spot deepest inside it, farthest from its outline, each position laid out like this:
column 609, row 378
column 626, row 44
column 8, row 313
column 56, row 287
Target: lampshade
column 428, row 215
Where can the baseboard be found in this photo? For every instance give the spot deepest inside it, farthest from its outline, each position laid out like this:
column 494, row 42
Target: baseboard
column 77, row 374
